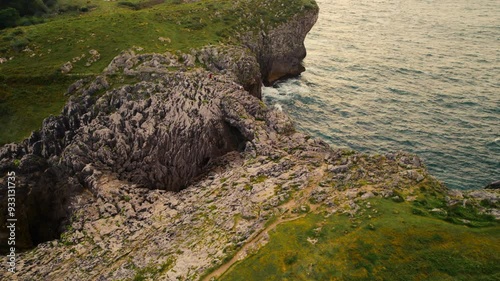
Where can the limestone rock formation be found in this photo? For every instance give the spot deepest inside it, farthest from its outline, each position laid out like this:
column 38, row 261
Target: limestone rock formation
column 281, row 50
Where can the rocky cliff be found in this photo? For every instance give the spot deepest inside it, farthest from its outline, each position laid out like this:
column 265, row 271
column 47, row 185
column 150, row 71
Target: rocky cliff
column 281, row 50
column 154, row 120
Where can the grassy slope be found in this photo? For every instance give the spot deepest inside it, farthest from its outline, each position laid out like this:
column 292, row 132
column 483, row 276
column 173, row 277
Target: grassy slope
column 385, row 242
column 31, row 86
column 23, row 106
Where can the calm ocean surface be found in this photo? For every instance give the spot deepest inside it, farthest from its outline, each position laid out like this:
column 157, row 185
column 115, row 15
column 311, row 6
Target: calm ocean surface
column 415, row 75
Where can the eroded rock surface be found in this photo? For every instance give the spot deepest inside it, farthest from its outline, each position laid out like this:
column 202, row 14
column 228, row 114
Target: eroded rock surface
column 160, row 130
column 281, row 50
column 155, row 120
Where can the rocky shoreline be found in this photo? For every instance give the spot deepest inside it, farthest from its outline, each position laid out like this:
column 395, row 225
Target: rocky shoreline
column 167, row 164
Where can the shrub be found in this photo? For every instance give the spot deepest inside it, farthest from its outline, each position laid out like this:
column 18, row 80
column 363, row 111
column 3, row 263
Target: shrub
column 8, row 17
column 291, row 258
column 131, row 5
column 17, row 31
column 25, row 21
column 139, row 6
column 69, row 8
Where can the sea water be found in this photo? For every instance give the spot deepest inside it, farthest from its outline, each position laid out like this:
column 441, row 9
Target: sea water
column 414, row 75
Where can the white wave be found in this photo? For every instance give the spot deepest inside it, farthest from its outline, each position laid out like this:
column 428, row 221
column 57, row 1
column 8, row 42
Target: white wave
column 275, row 93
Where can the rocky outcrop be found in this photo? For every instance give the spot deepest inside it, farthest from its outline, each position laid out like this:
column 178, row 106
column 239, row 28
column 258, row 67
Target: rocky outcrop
column 159, row 133
column 238, row 62
column 280, row 50
column 494, row 185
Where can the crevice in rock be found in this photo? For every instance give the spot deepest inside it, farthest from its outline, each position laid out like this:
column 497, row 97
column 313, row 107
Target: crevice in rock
column 238, row 139
column 42, row 206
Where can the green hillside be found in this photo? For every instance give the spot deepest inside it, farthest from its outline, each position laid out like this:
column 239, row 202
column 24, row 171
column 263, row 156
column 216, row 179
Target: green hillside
column 386, row 240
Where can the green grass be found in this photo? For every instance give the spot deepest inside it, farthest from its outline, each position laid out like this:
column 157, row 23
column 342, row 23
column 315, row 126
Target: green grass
column 394, row 244
column 258, row 179
column 109, row 28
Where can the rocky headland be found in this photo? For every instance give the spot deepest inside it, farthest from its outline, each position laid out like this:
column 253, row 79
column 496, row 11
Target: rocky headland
column 166, row 165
